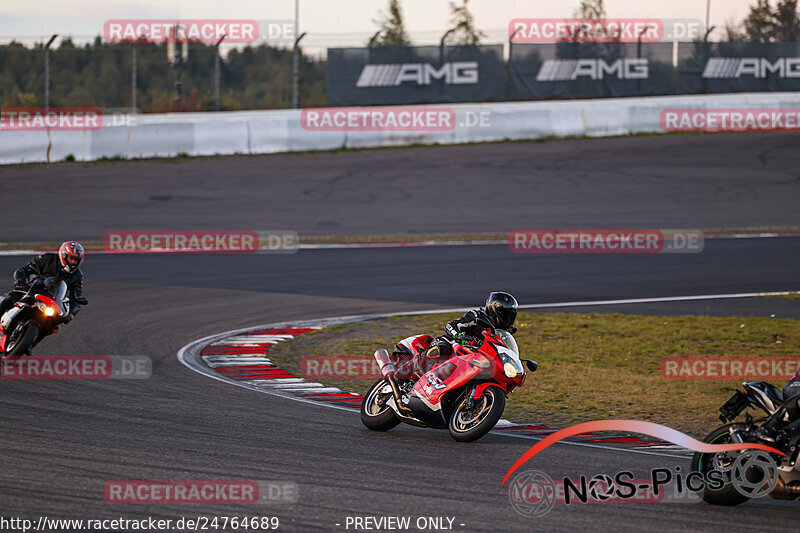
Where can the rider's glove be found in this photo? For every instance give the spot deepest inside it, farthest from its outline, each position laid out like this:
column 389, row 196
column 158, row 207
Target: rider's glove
column 472, row 342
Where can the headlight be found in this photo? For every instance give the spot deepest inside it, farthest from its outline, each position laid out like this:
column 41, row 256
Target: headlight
column 49, row 311
column 510, row 370
column 511, row 367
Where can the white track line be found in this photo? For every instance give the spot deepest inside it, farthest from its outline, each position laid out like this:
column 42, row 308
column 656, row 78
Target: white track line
column 660, row 299
column 356, row 246
column 598, row 303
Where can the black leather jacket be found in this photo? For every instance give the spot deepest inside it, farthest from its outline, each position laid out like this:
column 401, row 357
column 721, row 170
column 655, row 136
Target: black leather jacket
column 472, row 324
column 47, row 265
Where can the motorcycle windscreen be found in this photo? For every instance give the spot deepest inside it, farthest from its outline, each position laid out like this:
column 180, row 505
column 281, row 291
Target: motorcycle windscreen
column 508, row 340
column 57, row 288
column 511, row 355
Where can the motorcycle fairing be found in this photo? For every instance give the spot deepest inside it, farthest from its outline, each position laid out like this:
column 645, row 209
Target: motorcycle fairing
column 430, row 415
column 7, row 319
column 765, row 395
column 51, row 303
column 416, row 343
column 465, row 367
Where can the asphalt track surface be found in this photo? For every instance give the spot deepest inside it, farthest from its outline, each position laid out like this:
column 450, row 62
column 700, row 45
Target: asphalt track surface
column 711, row 181
column 62, row 440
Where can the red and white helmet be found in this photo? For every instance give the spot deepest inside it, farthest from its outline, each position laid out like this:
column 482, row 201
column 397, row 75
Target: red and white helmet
column 70, row 255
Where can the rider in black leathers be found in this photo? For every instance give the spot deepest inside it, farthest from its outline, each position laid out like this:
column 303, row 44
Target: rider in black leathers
column 792, row 389
column 499, row 312
column 63, row 264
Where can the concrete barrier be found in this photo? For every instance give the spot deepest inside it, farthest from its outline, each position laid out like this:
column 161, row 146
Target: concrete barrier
column 263, row 132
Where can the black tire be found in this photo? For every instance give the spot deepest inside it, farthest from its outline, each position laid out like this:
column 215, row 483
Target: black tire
column 373, row 416
column 22, row 344
column 704, row 462
column 478, row 423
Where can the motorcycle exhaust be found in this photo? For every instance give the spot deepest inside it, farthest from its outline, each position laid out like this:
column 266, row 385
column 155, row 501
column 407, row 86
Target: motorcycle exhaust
column 385, row 363
column 387, row 370
column 785, row 491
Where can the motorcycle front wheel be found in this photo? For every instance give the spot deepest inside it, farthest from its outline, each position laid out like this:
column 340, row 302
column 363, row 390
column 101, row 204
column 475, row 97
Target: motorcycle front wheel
column 376, row 414
column 468, row 424
column 23, row 340
column 705, row 462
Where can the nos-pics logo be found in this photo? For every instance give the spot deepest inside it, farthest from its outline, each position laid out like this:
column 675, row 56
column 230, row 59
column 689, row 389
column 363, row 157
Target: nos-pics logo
column 394, row 74
column 754, row 474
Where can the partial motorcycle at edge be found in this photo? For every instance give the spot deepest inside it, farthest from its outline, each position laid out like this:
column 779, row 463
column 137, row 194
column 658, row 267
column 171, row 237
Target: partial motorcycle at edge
column 779, row 429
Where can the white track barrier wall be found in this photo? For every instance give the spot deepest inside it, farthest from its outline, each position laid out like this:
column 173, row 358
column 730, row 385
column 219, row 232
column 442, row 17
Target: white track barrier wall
column 264, row 132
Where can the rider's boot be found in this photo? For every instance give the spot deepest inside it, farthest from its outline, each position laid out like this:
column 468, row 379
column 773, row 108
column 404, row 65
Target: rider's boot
column 429, row 358
column 767, row 434
column 424, row 360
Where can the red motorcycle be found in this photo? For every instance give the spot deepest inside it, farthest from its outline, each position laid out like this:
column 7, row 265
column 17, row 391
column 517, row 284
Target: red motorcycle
column 465, row 394
column 35, row 316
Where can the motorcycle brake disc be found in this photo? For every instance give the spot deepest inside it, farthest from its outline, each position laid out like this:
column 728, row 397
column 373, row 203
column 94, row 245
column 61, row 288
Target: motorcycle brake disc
column 720, row 467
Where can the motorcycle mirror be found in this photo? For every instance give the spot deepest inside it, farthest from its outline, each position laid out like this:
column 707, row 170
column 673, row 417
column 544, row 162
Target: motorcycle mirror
column 81, row 301
column 532, row 365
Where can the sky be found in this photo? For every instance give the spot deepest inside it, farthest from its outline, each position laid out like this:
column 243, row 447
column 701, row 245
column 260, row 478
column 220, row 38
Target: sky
column 332, row 22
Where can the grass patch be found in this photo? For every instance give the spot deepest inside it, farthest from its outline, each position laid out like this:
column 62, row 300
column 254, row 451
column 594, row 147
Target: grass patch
column 107, row 159
column 592, row 366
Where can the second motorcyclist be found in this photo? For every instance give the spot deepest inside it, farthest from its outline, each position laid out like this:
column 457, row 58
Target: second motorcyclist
column 63, row 264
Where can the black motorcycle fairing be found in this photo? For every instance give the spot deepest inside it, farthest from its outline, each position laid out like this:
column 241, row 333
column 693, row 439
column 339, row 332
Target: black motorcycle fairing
column 434, row 419
column 764, row 395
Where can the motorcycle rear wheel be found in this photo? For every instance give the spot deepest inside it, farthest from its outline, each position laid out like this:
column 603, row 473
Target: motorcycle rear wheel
column 470, row 425
column 374, row 416
column 704, row 462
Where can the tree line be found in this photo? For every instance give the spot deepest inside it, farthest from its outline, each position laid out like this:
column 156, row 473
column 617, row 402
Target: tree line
column 99, row 74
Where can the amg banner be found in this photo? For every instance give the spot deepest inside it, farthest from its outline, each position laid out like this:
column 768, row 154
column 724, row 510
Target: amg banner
column 413, row 75
column 739, row 67
column 590, row 70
